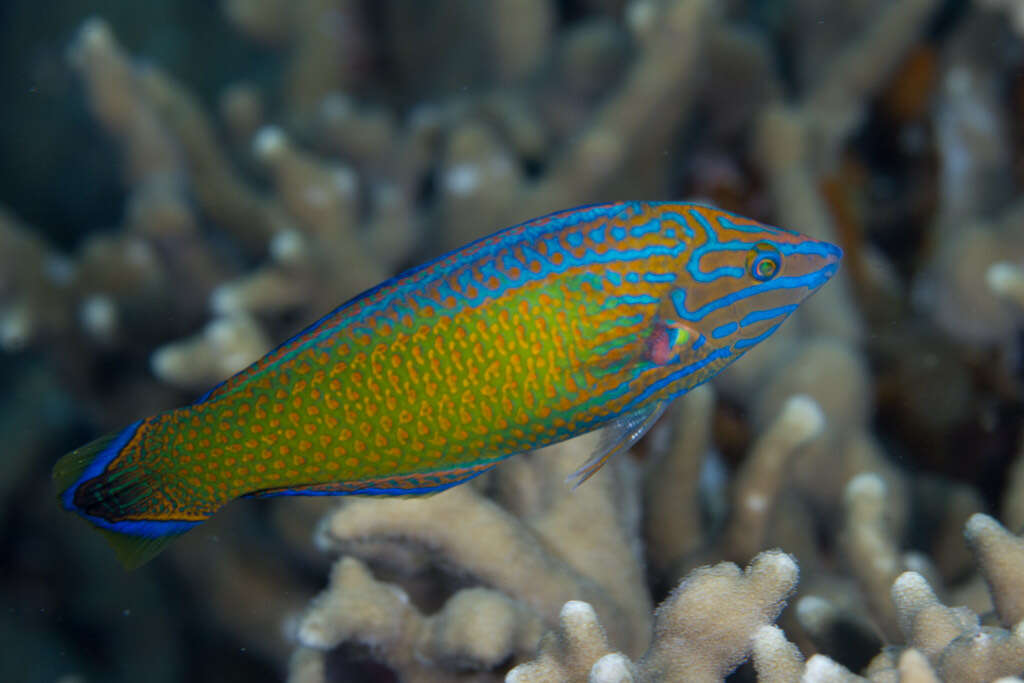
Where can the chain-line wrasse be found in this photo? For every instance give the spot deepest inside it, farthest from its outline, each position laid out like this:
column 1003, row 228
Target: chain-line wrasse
column 595, row 317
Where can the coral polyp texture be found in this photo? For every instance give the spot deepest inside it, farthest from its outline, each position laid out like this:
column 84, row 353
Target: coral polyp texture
column 184, row 185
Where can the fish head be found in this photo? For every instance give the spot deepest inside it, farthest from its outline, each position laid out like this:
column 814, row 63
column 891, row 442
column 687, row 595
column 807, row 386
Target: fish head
column 736, row 283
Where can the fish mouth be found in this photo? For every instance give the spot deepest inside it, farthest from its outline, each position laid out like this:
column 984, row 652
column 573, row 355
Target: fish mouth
column 831, row 257
column 834, row 253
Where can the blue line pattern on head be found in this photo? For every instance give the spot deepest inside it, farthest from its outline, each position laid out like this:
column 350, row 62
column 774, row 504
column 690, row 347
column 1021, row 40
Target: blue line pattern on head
column 724, row 330
column 811, row 281
column 744, row 344
column 766, row 314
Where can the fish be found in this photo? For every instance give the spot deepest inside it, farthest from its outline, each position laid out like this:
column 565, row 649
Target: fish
column 591, row 318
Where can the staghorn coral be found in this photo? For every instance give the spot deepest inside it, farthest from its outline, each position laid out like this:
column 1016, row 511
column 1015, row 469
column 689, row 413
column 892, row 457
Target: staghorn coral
column 701, row 632
column 34, row 286
column 941, row 643
column 324, row 40
column 597, row 561
column 224, row 347
column 477, row 629
column 1013, row 500
column 388, row 531
column 564, row 547
column 971, row 285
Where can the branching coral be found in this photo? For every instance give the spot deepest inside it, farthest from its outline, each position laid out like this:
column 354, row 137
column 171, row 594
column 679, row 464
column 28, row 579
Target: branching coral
column 364, row 148
column 477, row 629
column 942, row 643
column 324, row 39
column 701, row 632
column 972, row 284
column 475, row 536
column 34, row 286
column 583, row 565
column 708, row 639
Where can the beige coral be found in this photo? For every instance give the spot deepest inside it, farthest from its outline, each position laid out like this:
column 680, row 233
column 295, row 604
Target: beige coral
column 972, row 283
column 461, row 585
column 702, row 632
column 1000, row 556
column 1006, row 279
column 535, row 551
column 943, row 644
column 323, row 38
column 673, row 527
column 759, row 480
column 224, row 347
column 661, row 80
column 870, row 548
column 564, row 546
column 477, row 629
column 35, row 285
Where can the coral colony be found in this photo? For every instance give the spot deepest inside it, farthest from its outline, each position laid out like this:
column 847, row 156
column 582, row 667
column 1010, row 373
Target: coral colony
column 842, row 504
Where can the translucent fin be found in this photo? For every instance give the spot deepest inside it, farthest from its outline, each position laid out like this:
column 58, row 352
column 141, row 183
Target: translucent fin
column 70, row 468
column 116, row 502
column 336, row 489
column 619, row 435
column 412, row 485
column 135, row 551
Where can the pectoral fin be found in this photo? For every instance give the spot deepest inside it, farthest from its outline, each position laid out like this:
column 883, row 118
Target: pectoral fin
column 618, row 436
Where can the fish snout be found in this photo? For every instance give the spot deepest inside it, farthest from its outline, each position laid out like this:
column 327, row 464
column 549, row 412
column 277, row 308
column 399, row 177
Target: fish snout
column 833, row 253
column 829, row 256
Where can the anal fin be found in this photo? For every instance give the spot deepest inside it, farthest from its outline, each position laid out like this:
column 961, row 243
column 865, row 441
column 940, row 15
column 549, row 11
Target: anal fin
column 135, row 551
column 414, row 484
column 618, row 436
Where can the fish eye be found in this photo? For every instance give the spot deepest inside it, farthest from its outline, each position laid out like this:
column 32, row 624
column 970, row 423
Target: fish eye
column 763, row 261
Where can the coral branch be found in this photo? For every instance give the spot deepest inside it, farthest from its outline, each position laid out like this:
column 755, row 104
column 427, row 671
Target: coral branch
column 703, row 631
column 449, row 526
column 1000, row 555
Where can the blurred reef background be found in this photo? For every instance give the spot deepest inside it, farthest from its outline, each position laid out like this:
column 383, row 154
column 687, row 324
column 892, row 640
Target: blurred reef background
column 185, row 183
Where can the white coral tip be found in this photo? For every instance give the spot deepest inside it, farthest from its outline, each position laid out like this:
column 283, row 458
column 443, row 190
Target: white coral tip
column 781, row 565
column 812, row 611
column 269, row 142
column 769, row 640
column 98, row 314
column 866, row 485
column 15, row 329
column 462, row 179
column 166, row 362
column 1004, row 278
column 225, row 299
column 979, row 524
column 576, row 610
column 612, row 668
column 95, row 32
column 287, row 246
column 822, row 669
column 910, row 590
column 804, row 415
column 312, row 632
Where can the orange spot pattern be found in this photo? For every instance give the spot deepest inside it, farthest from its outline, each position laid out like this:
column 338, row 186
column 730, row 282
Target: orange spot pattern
column 430, row 380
